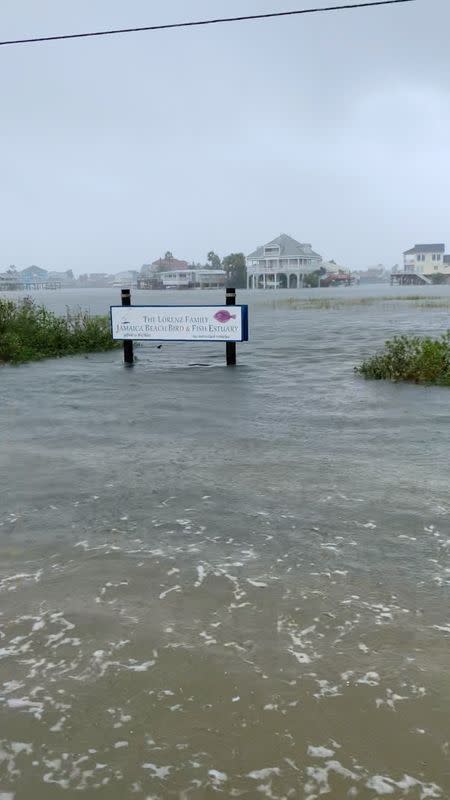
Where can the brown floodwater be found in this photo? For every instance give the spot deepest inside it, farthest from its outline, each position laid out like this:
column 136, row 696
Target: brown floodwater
column 226, row 582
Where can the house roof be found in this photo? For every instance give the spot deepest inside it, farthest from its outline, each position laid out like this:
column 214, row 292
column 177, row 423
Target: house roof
column 289, row 248
column 170, row 263
column 33, row 270
column 425, row 248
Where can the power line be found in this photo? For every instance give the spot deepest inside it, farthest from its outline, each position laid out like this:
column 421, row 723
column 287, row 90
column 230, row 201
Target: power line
column 203, row 22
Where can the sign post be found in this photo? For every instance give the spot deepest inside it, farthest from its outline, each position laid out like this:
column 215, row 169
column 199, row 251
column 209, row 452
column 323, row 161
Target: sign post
column 231, row 346
column 219, row 323
column 128, row 354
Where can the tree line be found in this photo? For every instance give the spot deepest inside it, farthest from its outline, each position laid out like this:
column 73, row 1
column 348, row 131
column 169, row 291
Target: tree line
column 234, row 265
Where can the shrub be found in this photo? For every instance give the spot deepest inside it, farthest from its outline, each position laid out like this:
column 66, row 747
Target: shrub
column 411, row 358
column 29, row 332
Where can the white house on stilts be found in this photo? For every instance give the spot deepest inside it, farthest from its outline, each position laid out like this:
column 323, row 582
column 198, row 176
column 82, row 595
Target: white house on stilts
column 281, row 264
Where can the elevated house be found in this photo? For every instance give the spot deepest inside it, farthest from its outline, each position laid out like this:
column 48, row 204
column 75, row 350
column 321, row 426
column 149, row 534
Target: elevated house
column 281, row 264
column 426, row 259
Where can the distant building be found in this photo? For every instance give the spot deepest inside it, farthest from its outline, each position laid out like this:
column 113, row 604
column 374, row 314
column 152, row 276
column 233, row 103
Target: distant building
column 376, row 274
column 331, row 268
column 126, row 279
column 10, row 280
column 185, row 279
column 33, row 275
column 64, row 278
column 426, row 259
column 281, row 264
column 97, row 280
column 166, row 264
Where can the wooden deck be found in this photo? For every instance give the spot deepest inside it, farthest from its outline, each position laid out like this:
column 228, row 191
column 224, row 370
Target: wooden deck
column 409, row 279
column 14, row 286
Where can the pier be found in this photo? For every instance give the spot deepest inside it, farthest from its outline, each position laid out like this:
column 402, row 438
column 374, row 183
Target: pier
column 10, row 285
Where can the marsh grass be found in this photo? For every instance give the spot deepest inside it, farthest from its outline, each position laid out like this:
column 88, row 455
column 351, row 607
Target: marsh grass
column 338, row 303
column 414, row 359
column 29, row 332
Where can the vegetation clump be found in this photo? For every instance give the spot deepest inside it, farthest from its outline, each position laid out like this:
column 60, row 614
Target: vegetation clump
column 29, row 332
column 414, row 359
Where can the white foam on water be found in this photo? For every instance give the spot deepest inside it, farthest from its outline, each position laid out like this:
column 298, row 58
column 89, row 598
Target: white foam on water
column 320, row 752
column 442, row 628
column 370, row 679
column 21, row 747
column 384, row 785
column 391, row 699
column 201, row 572
column 26, row 705
column 327, row 690
column 163, row 595
column 262, row 774
column 12, row 582
column 217, row 777
column 57, row 728
column 209, row 640
column 159, row 772
column 319, row 784
column 302, row 658
column 257, row 584
column 380, row 785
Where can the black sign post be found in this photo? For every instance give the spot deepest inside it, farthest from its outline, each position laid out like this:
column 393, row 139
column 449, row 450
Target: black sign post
column 128, row 353
column 231, row 346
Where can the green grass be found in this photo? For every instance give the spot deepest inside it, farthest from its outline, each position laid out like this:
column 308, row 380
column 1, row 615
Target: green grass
column 413, row 359
column 29, row 332
column 342, row 303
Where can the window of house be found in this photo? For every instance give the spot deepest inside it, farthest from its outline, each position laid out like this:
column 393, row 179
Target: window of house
column 269, row 251
column 438, row 257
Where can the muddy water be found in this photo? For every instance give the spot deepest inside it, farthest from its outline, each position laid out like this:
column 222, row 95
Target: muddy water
column 226, row 582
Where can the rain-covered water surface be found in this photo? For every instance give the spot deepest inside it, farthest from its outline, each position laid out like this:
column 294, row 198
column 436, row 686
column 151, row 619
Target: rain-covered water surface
column 223, row 581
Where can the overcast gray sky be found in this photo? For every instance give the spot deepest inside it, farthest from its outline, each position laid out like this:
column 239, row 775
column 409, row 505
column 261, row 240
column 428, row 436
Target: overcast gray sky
column 332, row 128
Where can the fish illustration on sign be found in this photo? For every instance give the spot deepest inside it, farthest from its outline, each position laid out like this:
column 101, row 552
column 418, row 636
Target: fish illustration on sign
column 224, row 316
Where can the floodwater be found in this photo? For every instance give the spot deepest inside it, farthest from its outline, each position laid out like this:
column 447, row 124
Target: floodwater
column 227, row 582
